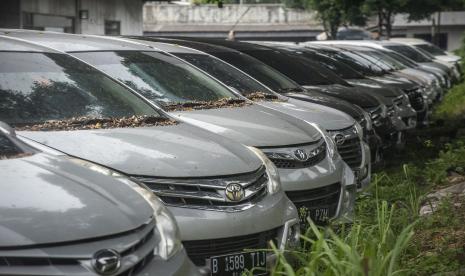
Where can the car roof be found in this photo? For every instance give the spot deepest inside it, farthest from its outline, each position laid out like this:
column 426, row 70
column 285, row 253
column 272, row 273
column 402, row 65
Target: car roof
column 409, row 41
column 75, row 43
column 167, row 45
column 9, row 44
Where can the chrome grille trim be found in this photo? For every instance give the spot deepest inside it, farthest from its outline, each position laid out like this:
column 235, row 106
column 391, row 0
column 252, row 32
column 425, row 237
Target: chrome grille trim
column 416, row 98
column 136, row 248
column 209, row 193
column 375, row 113
column 284, row 158
column 351, row 149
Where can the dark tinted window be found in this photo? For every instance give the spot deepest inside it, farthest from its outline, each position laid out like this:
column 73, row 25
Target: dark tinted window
column 356, row 62
column 409, row 52
column 339, row 68
column 158, row 76
column 432, row 49
column 36, row 87
column 7, row 147
column 291, row 66
column 224, row 72
column 260, row 71
column 381, row 56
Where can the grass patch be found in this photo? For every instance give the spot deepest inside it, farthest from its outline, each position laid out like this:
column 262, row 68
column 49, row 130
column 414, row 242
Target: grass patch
column 389, row 237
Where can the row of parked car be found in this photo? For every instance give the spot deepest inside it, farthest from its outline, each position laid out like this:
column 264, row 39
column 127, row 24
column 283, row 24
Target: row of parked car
column 157, row 156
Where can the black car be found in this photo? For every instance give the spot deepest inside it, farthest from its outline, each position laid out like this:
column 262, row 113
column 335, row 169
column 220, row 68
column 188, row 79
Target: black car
column 376, row 73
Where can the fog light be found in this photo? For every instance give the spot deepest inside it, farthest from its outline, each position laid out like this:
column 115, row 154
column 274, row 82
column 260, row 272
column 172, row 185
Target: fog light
column 293, row 236
column 349, row 201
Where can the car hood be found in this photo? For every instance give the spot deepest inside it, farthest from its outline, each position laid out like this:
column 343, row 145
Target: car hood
column 376, row 87
column 310, row 95
column 327, row 117
column 419, row 75
column 448, row 58
column 165, row 151
column 436, row 65
column 350, row 94
column 252, row 125
column 396, row 81
column 46, row 199
column 384, row 95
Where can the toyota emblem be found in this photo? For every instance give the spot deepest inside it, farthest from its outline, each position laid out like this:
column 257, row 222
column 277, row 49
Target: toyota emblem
column 106, row 261
column 339, row 139
column 301, row 155
column 234, row 192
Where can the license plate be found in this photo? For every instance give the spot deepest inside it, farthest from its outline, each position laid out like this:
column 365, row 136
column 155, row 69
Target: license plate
column 318, row 215
column 236, row 264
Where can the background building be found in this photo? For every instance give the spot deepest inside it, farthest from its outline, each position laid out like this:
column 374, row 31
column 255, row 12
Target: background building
column 111, row 17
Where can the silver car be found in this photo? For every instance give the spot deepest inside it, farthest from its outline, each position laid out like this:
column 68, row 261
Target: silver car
column 61, row 218
column 311, row 171
column 225, row 197
column 343, row 128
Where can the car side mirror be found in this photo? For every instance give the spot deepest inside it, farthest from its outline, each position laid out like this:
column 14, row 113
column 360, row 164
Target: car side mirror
column 7, row 129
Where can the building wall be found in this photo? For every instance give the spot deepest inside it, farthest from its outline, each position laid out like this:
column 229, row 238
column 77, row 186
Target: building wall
column 160, row 16
column 62, row 15
column 128, row 12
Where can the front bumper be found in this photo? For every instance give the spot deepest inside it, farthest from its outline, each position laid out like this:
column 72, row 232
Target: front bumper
column 363, row 174
column 273, row 213
column 408, row 117
column 178, row 265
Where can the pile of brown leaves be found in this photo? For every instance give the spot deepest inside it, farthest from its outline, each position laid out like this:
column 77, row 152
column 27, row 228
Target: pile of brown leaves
column 84, row 123
column 223, row 103
column 260, row 96
column 13, row 156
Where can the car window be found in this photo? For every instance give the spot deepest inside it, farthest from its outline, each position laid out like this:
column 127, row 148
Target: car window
column 339, row 68
column 432, row 49
column 37, row 87
column 375, row 61
column 158, row 76
column 386, row 59
column 409, row 52
column 224, row 72
column 356, row 62
column 265, row 74
column 291, row 66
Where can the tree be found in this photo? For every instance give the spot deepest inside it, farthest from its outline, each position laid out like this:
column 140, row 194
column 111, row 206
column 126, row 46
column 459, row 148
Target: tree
column 385, row 11
column 333, row 13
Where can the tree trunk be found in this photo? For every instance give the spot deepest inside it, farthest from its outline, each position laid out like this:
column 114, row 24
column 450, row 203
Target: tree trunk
column 380, row 24
column 388, row 24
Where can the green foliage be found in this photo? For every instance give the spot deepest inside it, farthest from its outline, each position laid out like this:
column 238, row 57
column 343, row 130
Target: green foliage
column 452, row 108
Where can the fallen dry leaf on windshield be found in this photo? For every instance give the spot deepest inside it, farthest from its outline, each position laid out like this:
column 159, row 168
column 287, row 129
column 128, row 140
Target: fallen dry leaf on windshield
column 82, row 123
column 198, row 105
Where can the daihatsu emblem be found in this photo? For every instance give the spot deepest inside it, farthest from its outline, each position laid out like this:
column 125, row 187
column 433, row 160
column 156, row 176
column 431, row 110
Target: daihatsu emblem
column 106, row 261
column 234, row 192
column 301, row 155
column 339, row 139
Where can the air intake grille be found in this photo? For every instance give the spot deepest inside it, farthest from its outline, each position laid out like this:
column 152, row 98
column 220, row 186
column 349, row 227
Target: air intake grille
column 349, row 147
column 199, row 251
column 209, row 193
column 289, row 158
column 416, row 99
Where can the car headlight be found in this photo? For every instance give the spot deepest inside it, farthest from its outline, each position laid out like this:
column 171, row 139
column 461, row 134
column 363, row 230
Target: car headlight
column 274, row 183
column 359, row 130
column 330, row 144
column 369, row 122
column 170, row 241
column 384, row 111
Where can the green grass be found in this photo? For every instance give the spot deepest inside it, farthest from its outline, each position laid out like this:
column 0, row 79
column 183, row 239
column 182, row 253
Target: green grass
column 388, row 236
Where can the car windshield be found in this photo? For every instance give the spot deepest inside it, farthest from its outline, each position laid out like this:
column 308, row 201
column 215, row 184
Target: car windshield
column 391, row 62
column 265, row 74
column 409, row 52
column 294, row 67
column 38, row 87
column 402, row 59
column 339, row 68
column 432, row 49
column 159, row 77
column 375, row 61
column 225, row 72
column 355, row 62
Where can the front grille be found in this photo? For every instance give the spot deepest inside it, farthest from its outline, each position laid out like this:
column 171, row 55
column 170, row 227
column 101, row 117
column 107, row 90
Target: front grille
column 201, row 250
column 323, row 197
column 135, row 248
column 376, row 113
column 416, row 99
column 350, row 148
column 398, row 101
column 209, row 193
column 287, row 159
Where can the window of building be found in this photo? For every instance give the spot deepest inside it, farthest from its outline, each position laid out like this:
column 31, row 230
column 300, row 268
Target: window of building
column 112, row 27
